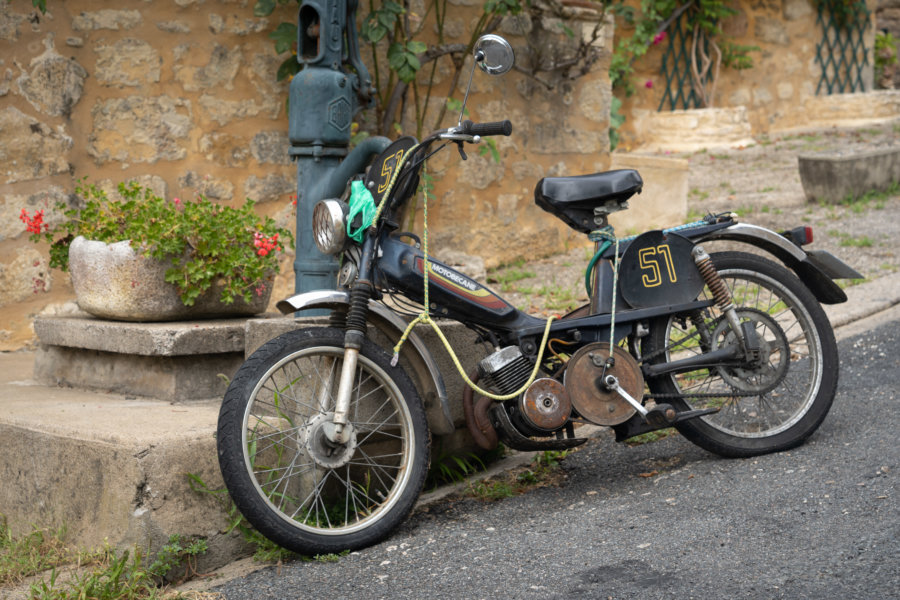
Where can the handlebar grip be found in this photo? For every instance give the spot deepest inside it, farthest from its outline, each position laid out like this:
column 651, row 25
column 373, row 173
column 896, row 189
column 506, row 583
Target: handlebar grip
column 486, row 129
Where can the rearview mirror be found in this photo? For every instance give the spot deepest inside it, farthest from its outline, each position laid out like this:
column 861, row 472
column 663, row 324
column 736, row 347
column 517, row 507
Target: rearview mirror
column 493, row 54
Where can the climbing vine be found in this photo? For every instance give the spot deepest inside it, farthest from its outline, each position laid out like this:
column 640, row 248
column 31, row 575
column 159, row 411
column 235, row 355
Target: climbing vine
column 710, row 47
column 407, row 79
column 844, row 12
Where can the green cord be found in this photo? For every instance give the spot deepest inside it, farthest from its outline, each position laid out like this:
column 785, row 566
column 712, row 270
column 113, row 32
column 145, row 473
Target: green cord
column 590, row 268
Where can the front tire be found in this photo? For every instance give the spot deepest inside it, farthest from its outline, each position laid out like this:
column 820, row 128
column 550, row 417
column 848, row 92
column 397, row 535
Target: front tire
column 295, row 487
column 773, row 407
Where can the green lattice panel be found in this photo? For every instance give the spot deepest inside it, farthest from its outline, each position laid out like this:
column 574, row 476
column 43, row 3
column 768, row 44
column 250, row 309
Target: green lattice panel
column 842, row 52
column 676, row 69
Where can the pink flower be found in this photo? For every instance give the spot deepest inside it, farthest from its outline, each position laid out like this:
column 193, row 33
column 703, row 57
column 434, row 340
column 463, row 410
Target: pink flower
column 659, row 37
column 648, row 84
column 265, row 245
column 177, row 201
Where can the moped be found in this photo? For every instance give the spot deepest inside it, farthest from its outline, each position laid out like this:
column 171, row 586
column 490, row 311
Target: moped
column 324, row 432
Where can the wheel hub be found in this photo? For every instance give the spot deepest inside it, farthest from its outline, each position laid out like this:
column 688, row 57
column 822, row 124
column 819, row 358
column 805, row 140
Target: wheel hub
column 765, row 374
column 314, row 438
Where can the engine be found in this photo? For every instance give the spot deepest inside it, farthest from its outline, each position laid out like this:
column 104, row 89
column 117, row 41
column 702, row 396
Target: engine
column 542, row 409
column 505, row 371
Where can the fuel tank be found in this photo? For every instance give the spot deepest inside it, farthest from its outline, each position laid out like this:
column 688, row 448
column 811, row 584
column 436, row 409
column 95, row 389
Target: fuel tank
column 450, row 293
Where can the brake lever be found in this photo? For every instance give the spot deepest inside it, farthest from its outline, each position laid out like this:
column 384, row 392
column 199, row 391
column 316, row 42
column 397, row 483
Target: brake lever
column 462, row 153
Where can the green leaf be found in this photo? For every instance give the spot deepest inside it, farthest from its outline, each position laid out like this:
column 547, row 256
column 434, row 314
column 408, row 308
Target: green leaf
column 416, row 47
column 285, row 36
column 288, row 68
column 396, row 56
column 406, row 74
column 264, row 8
column 393, row 7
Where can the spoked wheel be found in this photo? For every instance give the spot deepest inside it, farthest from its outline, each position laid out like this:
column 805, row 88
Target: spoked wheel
column 284, row 474
column 771, row 405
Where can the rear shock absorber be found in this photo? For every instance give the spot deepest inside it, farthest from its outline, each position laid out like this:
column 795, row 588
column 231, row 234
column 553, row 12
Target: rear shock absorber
column 721, row 293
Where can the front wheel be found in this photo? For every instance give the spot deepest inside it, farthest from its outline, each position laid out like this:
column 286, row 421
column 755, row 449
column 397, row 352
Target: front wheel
column 777, row 403
column 289, row 481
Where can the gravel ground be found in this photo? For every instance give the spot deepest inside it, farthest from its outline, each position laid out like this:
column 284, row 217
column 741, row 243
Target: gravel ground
column 762, row 184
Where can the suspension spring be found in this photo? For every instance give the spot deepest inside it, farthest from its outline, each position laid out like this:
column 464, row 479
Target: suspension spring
column 359, row 306
column 720, row 291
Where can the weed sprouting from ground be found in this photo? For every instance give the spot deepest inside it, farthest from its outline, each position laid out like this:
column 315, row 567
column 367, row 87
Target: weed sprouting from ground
column 543, row 470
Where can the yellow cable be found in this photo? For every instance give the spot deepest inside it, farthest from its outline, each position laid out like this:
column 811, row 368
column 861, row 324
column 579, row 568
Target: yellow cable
column 425, row 318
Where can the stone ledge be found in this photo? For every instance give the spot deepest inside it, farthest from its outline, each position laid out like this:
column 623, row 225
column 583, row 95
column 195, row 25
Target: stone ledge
column 144, row 339
column 169, row 361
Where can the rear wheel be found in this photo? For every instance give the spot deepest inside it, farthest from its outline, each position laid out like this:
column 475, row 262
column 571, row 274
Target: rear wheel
column 772, row 406
column 290, row 482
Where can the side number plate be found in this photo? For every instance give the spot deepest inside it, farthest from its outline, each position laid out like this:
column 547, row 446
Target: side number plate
column 657, row 269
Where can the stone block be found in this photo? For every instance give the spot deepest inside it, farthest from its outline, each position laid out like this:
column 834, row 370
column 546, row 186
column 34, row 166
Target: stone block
column 127, row 63
column 55, row 83
column 174, row 379
column 170, row 361
column 833, row 176
column 663, row 201
column 109, row 468
column 851, row 110
column 30, row 149
column 140, row 129
column 694, row 129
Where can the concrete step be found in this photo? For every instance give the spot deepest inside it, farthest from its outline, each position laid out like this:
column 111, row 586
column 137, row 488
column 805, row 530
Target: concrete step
column 111, row 468
column 110, row 462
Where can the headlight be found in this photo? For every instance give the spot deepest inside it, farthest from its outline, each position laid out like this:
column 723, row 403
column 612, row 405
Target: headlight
column 329, row 225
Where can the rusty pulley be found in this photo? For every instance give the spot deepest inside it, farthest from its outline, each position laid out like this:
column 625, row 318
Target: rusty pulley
column 587, row 392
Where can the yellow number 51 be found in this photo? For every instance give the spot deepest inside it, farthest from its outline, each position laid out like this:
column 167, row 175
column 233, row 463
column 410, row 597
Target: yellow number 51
column 649, row 260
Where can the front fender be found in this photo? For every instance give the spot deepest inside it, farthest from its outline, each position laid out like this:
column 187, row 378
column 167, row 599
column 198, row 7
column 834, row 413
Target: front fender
column 414, row 356
column 809, row 267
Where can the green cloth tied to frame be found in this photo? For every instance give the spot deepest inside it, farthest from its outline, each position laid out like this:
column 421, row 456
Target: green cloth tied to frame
column 362, row 204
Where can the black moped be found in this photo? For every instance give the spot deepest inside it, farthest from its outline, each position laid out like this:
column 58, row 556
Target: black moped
column 323, row 435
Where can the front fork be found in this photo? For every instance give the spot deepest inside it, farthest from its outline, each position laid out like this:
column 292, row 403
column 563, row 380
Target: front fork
column 340, row 431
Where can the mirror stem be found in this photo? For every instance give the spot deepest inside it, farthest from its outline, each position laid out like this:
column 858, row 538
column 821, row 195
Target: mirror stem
column 479, row 56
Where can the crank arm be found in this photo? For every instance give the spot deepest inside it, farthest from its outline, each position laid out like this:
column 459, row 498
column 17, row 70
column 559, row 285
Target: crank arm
column 613, row 384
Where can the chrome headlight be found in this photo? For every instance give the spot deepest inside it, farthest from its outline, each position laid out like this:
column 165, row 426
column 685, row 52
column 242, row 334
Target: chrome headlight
column 329, row 226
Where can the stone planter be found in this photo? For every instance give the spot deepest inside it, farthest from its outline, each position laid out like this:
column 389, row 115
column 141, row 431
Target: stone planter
column 835, row 175
column 111, row 281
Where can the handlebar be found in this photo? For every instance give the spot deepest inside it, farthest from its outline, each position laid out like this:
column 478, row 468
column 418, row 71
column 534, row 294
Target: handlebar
column 486, row 129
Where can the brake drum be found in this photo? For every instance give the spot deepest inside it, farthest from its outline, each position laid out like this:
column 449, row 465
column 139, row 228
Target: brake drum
column 587, row 393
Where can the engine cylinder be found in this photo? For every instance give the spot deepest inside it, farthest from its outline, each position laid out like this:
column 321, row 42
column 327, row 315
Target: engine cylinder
column 505, row 371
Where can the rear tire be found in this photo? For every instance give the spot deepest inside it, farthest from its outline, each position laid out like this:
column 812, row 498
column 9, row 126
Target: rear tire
column 794, row 386
column 297, row 489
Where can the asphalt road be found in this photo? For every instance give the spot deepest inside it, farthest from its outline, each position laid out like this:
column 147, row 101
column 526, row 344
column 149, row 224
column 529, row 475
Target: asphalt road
column 821, row 521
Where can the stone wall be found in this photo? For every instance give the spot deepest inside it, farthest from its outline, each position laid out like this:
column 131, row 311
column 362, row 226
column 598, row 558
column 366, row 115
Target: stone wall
column 182, row 96
column 775, row 91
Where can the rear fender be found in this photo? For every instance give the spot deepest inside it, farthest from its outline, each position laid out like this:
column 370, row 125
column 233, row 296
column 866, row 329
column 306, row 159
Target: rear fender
column 817, row 274
column 414, row 355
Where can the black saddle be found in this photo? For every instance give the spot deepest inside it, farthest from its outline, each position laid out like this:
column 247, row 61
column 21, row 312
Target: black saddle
column 573, row 199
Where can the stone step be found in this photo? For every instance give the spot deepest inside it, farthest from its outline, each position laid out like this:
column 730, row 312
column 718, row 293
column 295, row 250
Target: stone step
column 108, row 467
column 185, row 360
column 111, row 462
